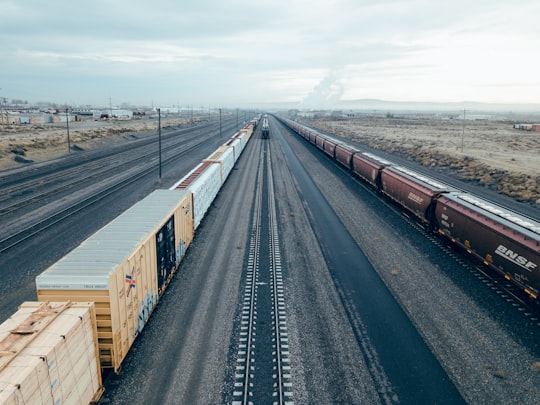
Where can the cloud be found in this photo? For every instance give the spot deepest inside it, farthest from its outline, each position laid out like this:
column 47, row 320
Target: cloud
column 235, row 51
column 327, row 93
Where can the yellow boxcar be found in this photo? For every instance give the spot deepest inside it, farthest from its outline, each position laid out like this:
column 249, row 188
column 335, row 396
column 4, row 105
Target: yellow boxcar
column 124, row 268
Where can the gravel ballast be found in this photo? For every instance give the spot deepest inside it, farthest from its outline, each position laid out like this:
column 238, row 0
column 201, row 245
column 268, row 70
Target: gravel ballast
column 483, row 357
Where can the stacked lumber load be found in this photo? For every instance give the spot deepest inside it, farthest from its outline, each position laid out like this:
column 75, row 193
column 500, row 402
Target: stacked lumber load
column 49, row 355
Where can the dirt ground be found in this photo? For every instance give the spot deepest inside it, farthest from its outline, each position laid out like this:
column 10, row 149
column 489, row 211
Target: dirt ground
column 492, row 153
column 22, row 144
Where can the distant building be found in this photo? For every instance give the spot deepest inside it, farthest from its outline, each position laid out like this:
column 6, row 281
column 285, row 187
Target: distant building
column 527, row 127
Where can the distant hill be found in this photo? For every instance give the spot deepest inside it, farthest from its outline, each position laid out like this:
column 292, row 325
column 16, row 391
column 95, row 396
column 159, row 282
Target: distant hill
column 408, row 107
column 372, row 104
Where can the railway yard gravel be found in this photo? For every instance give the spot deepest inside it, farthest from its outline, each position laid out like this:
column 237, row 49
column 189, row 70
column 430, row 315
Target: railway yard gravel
column 328, row 365
column 489, row 360
column 20, row 144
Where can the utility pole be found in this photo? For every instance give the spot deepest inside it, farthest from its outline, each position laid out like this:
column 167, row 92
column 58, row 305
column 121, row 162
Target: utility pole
column 220, row 123
column 67, row 127
column 463, row 132
column 159, row 140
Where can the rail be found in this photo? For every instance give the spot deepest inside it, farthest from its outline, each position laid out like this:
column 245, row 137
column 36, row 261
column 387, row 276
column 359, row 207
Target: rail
column 264, row 299
column 114, row 184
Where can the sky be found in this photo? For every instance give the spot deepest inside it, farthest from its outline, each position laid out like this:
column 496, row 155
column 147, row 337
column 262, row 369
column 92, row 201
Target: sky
column 247, row 53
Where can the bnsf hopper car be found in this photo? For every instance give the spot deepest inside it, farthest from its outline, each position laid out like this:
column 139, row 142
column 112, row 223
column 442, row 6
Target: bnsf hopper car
column 411, row 190
column 319, row 141
column 344, row 155
column 368, row 167
column 329, row 147
column 505, row 241
column 502, row 239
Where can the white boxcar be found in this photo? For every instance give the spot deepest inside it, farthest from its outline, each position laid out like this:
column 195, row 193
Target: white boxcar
column 204, row 182
column 225, row 157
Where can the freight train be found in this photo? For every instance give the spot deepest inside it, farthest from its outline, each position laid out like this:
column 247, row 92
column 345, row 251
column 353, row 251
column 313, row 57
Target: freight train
column 502, row 239
column 265, row 127
column 120, row 272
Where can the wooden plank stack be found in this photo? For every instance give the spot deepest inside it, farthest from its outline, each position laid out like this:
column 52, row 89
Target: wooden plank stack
column 49, row 355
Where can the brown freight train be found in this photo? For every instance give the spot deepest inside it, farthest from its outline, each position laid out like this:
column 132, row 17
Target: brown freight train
column 504, row 240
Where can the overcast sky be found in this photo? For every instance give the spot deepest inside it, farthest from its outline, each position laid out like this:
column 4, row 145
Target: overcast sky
column 242, row 52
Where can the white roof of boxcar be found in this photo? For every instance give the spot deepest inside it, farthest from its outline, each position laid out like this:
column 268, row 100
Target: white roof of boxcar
column 377, row 158
column 427, row 180
column 90, row 264
column 511, row 219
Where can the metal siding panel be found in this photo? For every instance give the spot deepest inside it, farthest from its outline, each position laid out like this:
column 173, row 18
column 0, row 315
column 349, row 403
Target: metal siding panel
column 409, row 193
column 366, row 169
column 344, row 156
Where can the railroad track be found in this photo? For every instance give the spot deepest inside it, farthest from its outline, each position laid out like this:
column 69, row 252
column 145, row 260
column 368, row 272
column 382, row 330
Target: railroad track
column 113, row 184
column 263, row 370
column 85, row 169
column 28, row 174
column 507, row 290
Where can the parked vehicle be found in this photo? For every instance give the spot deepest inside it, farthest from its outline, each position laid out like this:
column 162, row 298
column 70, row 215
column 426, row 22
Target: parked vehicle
column 265, row 127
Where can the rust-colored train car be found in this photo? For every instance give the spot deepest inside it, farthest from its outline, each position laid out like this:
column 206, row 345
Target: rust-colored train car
column 312, row 137
column 319, row 141
column 329, row 147
column 344, row 155
column 502, row 239
column 303, row 132
column 412, row 190
column 368, row 167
